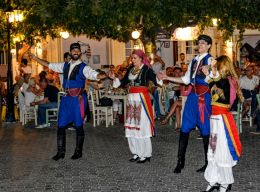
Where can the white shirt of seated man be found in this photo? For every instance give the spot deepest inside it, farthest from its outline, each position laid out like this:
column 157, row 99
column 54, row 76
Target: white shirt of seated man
column 29, row 96
column 249, row 84
column 27, row 69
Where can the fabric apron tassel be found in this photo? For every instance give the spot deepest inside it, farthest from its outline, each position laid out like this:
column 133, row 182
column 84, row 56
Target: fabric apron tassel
column 201, row 104
column 81, row 106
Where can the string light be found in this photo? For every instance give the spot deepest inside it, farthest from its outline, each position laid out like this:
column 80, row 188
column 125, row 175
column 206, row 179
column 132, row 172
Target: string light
column 136, row 34
column 64, row 34
column 186, row 34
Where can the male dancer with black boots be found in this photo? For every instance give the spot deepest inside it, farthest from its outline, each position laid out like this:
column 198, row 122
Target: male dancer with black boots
column 72, row 106
column 197, row 108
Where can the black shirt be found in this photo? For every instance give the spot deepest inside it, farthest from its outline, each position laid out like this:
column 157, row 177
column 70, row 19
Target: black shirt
column 51, row 92
column 145, row 75
column 224, row 86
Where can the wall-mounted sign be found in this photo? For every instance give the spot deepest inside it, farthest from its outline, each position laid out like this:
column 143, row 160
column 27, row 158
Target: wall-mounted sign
column 167, row 44
column 96, row 59
column 162, row 36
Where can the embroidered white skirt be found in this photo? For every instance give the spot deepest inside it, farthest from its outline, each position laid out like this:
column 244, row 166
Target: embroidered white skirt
column 137, row 124
column 220, row 161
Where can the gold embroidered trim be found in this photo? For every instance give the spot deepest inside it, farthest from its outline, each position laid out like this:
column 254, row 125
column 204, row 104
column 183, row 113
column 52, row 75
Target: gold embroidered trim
column 216, row 79
column 220, row 104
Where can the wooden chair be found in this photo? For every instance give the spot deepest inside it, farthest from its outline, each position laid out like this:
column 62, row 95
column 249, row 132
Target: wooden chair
column 238, row 116
column 258, row 99
column 250, row 119
column 161, row 92
column 27, row 113
column 100, row 112
column 52, row 114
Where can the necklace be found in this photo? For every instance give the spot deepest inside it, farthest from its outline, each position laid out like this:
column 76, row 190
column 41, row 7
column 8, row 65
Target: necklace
column 135, row 71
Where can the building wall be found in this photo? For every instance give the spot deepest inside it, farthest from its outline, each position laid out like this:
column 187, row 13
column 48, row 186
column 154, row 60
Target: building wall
column 165, row 51
column 117, row 52
column 113, row 52
column 51, row 49
column 251, row 39
column 98, row 49
column 3, row 70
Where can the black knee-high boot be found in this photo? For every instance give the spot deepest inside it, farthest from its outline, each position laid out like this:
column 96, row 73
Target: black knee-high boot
column 79, row 143
column 205, row 145
column 61, row 144
column 183, row 143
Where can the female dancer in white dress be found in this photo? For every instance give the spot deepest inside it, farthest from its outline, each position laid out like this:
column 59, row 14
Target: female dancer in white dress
column 139, row 123
column 224, row 145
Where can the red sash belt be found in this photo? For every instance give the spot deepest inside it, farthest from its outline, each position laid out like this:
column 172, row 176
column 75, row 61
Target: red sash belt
column 140, row 89
column 200, row 89
column 77, row 92
column 74, row 92
column 218, row 110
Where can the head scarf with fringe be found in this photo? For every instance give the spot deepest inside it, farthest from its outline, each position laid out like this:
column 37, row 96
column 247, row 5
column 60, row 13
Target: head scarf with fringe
column 142, row 55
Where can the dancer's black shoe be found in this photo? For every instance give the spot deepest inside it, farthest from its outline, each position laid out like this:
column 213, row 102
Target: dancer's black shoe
column 77, row 154
column 144, row 160
column 179, row 166
column 134, row 158
column 225, row 189
column 59, row 155
column 205, row 146
column 211, row 188
column 202, row 169
column 61, row 144
column 79, row 143
column 183, row 143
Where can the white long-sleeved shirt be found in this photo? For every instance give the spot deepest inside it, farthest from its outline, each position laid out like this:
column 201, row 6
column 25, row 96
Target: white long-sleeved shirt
column 88, row 72
column 186, row 78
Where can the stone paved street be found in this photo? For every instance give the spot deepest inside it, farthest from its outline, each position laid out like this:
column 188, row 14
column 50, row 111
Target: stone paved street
column 26, row 165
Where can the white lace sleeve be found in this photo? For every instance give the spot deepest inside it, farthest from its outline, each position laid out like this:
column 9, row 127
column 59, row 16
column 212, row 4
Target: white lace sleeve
column 159, row 82
column 116, row 83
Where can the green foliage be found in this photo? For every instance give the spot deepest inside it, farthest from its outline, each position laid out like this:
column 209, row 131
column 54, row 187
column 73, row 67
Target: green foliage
column 116, row 19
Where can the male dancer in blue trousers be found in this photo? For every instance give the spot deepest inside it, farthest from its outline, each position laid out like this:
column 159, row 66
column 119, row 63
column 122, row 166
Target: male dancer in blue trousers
column 72, row 106
column 197, row 108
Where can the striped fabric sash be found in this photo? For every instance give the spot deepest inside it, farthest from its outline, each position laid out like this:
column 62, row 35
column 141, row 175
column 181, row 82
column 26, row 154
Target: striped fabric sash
column 146, row 102
column 232, row 135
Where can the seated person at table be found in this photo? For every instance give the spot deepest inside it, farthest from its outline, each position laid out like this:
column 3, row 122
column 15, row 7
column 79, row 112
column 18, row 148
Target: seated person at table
column 53, row 78
column 117, row 109
column 248, row 84
column 157, row 64
column 24, row 68
column 176, row 107
column 31, row 93
column 25, row 83
column 169, row 92
column 177, row 72
column 182, row 60
column 48, row 102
